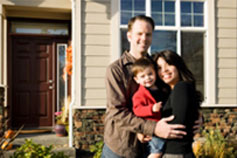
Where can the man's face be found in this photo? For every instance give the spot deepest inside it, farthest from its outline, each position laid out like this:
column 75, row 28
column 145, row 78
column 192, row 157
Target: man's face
column 140, row 36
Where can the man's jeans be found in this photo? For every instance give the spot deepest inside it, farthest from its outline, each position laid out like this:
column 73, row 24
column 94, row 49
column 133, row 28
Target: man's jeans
column 107, row 153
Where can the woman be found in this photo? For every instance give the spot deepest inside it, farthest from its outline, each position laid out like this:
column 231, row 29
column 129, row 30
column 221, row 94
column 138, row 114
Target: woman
column 183, row 102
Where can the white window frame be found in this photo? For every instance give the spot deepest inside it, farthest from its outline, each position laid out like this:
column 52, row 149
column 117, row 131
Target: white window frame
column 209, row 42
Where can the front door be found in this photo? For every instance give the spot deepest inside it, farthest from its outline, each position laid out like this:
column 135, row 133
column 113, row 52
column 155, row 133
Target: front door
column 33, row 80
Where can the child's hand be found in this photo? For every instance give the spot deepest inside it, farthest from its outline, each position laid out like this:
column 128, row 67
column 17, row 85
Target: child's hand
column 157, row 107
column 143, row 138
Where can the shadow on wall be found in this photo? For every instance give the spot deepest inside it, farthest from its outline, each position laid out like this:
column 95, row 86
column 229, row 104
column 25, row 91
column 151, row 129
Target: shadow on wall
column 29, row 2
column 100, row 6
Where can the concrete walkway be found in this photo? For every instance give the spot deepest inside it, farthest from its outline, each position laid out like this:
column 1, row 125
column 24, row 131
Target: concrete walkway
column 59, row 143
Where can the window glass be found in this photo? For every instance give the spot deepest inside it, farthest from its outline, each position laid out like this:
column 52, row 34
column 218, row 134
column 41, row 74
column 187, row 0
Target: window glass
column 156, row 6
column 124, row 40
column 39, row 28
column 192, row 14
column 163, row 40
column 169, row 6
column 126, row 5
column 130, row 8
column 163, row 12
column 139, row 5
column 61, row 77
column 185, row 7
column 198, row 7
column 192, row 52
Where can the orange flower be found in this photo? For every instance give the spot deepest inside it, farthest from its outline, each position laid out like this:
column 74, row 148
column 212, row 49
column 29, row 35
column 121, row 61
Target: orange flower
column 68, row 67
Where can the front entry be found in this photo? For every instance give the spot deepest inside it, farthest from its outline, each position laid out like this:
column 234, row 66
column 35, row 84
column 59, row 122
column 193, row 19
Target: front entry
column 33, row 80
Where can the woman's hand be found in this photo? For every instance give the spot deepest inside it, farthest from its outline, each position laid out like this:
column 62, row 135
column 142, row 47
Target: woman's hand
column 143, row 138
column 198, row 124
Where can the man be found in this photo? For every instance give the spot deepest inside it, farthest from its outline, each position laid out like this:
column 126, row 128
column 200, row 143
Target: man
column 121, row 125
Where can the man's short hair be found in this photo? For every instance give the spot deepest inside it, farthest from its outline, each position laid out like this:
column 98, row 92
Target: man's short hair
column 140, row 17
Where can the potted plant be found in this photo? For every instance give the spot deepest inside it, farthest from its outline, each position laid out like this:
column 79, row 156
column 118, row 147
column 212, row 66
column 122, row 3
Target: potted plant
column 61, row 124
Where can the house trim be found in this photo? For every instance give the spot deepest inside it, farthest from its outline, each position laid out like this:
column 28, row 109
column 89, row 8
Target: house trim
column 210, row 56
column 204, row 105
column 115, row 50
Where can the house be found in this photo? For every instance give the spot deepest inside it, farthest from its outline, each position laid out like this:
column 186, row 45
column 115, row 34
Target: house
column 34, row 33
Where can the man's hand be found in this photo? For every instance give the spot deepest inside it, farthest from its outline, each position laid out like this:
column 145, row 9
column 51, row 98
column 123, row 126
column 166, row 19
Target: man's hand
column 198, row 124
column 169, row 131
column 143, row 138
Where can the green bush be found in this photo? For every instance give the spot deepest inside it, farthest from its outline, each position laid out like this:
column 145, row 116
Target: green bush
column 97, row 149
column 215, row 146
column 33, row 150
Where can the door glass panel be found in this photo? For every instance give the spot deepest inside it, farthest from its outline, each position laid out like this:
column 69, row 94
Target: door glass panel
column 39, row 28
column 61, row 77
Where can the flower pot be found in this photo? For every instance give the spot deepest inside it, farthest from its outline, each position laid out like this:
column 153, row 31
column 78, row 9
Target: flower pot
column 60, row 130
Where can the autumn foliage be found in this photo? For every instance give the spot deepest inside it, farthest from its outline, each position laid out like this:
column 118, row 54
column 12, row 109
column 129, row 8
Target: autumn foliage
column 68, row 67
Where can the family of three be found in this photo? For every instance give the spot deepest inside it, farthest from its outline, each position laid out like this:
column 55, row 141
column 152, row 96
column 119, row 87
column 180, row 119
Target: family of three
column 152, row 103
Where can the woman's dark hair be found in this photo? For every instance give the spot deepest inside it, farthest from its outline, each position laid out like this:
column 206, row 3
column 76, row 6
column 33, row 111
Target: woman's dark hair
column 172, row 58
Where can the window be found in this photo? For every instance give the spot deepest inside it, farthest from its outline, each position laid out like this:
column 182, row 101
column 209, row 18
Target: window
column 39, row 28
column 179, row 26
column 62, row 80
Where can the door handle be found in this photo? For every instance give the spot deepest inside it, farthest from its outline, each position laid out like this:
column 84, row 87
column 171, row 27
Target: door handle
column 50, row 87
column 50, row 81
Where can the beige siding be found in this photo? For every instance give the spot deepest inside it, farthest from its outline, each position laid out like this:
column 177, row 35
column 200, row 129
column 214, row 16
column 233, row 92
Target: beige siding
column 227, row 63
column 227, row 83
column 226, row 11
column 95, row 50
column 227, row 73
column 227, row 53
column 225, row 101
column 91, row 50
column 227, row 23
column 94, row 83
column 227, row 3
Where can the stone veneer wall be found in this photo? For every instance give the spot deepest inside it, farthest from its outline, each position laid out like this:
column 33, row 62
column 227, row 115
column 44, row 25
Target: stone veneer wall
column 1, row 110
column 224, row 118
column 88, row 124
column 88, row 127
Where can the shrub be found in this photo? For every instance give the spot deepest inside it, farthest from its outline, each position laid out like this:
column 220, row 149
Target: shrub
column 97, row 149
column 33, row 150
column 214, row 146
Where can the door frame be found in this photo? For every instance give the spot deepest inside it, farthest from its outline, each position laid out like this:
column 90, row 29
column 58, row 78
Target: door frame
column 10, row 36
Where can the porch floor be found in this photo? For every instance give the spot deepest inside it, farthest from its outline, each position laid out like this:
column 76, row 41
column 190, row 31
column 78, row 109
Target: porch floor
column 49, row 138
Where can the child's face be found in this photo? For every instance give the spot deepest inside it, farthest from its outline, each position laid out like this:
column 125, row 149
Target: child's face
column 147, row 77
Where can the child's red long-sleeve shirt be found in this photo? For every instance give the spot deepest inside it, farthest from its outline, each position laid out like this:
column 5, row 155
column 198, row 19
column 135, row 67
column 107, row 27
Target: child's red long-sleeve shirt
column 143, row 102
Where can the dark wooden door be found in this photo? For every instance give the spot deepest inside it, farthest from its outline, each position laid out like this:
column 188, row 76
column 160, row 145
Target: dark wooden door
column 33, row 81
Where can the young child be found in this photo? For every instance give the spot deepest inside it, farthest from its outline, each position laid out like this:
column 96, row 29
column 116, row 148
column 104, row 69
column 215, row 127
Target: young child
column 146, row 100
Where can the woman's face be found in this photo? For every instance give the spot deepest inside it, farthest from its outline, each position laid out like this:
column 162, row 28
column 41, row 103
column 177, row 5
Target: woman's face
column 168, row 73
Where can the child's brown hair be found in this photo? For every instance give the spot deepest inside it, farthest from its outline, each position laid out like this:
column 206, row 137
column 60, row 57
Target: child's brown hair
column 141, row 64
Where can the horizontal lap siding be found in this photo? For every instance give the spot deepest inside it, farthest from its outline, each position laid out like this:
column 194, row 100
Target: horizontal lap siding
column 226, row 13
column 95, row 50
